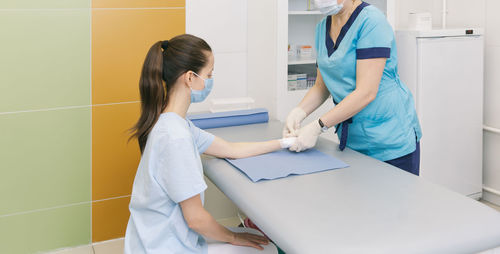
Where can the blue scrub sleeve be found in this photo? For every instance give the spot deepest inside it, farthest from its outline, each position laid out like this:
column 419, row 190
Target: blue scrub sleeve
column 317, row 34
column 375, row 38
column 179, row 171
column 202, row 138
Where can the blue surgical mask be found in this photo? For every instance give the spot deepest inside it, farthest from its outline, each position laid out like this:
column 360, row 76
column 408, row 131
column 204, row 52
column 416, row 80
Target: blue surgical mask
column 201, row 95
column 328, row 7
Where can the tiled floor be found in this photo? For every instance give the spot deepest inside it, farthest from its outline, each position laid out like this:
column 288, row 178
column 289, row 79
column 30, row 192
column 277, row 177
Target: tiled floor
column 108, row 247
column 116, row 246
column 77, row 250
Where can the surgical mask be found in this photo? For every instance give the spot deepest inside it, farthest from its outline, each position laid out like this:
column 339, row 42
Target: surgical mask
column 328, row 7
column 201, row 95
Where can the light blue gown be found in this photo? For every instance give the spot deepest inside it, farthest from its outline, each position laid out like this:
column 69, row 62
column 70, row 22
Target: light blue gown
column 170, row 172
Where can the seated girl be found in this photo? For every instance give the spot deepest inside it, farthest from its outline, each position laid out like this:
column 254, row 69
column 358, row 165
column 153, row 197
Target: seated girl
column 166, row 207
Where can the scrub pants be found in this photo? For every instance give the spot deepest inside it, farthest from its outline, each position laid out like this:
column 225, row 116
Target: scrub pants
column 409, row 163
column 215, row 247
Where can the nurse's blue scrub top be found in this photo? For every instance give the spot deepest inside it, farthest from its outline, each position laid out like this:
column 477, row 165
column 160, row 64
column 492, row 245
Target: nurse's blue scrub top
column 388, row 127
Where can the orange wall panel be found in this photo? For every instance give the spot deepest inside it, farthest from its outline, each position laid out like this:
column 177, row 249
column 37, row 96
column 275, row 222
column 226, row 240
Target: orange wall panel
column 114, row 160
column 121, row 37
column 120, row 41
column 137, row 3
column 109, row 219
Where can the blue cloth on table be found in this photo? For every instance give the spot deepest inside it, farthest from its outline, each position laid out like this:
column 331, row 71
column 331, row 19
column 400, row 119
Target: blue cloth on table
column 283, row 163
column 230, row 118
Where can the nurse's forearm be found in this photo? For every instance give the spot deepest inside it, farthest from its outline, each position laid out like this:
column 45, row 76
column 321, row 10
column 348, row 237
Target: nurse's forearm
column 368, row 75
column 315, row 96
column 348, row 107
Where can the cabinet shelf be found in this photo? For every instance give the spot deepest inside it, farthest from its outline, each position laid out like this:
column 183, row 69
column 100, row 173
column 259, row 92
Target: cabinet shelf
column 301, row 60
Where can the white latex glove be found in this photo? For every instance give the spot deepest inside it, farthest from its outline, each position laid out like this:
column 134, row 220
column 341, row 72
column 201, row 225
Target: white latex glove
column 293, row 120
column 308, row 135
column 287, row 142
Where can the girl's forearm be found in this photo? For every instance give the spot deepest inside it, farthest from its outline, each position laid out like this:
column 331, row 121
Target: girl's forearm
column 207, row 226
column 243, row 150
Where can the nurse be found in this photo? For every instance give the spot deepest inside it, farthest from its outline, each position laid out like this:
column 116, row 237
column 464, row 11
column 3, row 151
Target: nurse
column 357, row 65
column 166, row 207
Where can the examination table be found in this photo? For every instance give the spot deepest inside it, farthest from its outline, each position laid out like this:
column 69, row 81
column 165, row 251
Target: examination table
column 368, row 207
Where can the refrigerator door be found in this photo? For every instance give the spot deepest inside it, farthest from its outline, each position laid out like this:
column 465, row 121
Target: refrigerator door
column 449, row 99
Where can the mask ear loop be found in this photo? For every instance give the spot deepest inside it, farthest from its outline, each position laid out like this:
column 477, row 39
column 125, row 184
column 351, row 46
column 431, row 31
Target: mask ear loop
column 200, row 78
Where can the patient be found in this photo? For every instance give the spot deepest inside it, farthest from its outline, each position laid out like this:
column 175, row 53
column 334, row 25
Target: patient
column 166, row 207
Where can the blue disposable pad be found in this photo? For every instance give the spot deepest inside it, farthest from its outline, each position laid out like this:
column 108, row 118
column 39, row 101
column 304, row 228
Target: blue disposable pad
column 283, row 163
column 230, row 118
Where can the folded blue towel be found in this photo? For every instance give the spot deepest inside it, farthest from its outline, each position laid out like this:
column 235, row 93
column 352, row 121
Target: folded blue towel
column 284, row 163
column 230, row 118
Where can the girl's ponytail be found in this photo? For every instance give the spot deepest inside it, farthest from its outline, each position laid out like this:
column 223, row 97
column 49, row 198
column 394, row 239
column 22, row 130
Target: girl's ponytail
column 165, row 62
column 153, row 94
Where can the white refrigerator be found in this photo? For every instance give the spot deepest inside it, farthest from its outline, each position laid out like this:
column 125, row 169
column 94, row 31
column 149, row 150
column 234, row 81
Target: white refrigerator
column 444, row 71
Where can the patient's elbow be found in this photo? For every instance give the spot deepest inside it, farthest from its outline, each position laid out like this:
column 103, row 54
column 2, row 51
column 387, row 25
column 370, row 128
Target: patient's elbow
column 195, row 223
column 235, row 156
column 235, row 152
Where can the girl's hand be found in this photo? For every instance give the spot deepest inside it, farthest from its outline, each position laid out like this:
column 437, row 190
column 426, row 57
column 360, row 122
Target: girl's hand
column 286, row 143
column 249, row 240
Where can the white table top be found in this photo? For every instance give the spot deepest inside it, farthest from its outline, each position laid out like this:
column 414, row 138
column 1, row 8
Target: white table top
column 369, row 207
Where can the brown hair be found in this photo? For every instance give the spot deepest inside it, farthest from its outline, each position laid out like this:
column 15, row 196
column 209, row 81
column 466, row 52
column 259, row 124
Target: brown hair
column 165, row 62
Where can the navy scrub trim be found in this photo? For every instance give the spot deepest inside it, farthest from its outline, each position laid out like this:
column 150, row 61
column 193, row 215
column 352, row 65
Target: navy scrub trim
column 368, row 53
column 409, row 163
column 330, row 45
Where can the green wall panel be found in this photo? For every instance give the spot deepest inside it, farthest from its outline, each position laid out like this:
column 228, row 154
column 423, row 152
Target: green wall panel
column 45, row 59
column 45, row 230
column 45, row 159
column 46, row 4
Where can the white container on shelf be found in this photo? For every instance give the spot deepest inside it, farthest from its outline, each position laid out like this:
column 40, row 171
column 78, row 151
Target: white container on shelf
column 292, row 82
column 301, row 81
column 292, row 50
column 305, row 51
column 297, row 81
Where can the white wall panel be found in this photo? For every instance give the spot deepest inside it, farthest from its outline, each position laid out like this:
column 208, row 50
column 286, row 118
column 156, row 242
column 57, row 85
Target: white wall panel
column 492, row 87
column 222, row 23
column 492, row 23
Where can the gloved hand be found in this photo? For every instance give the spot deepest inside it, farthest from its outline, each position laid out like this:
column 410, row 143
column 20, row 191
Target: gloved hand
column 293, row 120
column 308, row 135
column 286, row 143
